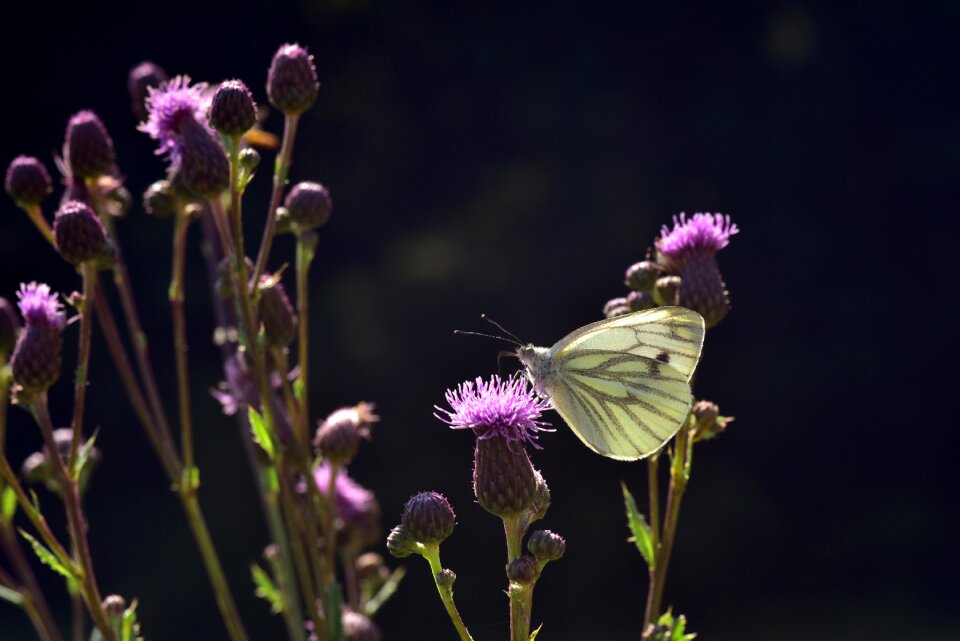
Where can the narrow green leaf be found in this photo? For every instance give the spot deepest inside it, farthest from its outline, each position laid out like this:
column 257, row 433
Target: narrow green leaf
column 129, row 627
column 261, row 434
column 639, row 529
column 332, row 600
column 298, row 388
column 266, row 589
column 8, row 504
column 47, row 557
column 385, row 592
column 533, row 635
column 12, row 596
column 84, row 454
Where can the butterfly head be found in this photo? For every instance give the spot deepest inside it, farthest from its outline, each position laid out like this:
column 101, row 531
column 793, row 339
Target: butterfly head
column 537, row 362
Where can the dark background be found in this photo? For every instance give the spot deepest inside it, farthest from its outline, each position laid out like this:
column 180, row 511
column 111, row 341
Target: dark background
column 514, row 159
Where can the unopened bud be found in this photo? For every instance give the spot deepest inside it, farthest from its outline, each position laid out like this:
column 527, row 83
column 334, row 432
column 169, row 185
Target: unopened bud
column 428, row 517
column 522, row 570
column 160, row 200
column 639, row 301
column 642, row 276
column 292, row 80
column 338, row 437
column 88, row 148
column 665, row 290
column 27, row 181
column 400, row 544
column 546, row 546
column 616, row 307
column 446, row 578
column 276, row 312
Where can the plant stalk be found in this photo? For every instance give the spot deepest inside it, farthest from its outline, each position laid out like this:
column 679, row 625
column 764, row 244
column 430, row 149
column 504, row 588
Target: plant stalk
column 281, row 168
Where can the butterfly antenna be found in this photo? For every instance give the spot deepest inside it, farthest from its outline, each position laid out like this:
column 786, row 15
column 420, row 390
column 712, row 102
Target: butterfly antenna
column 461, row 332
column 501, row 328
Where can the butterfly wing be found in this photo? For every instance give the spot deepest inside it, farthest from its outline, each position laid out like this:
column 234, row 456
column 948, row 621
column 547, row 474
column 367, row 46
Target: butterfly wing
column 622, row 384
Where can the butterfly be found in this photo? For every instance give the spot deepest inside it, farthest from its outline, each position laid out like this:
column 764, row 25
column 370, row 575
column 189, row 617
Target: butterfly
column 622, row 384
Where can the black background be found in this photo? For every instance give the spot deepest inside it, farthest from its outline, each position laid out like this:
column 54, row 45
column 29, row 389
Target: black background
column 514, row 159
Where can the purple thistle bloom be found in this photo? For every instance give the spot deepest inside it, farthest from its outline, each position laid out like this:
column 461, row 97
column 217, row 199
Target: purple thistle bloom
column 354, row 502
column 497, row 408
column 40, row 307
column 171, row 106
column 702, row 234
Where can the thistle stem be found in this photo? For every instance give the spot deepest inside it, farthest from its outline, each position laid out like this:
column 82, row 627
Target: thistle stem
column 281, row 168
column 89, row 274
column 305, row 252
column 180, row 347
column 653, row 488
column 71, row 496
column 679, row 476
column 519, row 610
column 432, row 554
column 34, row 603
column 36, row 217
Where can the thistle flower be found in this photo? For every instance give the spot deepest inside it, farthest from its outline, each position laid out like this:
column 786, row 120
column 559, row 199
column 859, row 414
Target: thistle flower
column 36, row 357
column 428, row 518
column 357, row 507
column 308, row 206
column 9, row 328
column 142, row 78
column 169, row 107
column 80, row 235
column 27, row 181
column 338, row 437
column 689, row 250
column 504, row 415
column 232, row 109
column 88, row 148
column 292, row 80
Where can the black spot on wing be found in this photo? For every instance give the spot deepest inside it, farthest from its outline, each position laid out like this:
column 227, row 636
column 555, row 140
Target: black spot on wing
column 663, row 357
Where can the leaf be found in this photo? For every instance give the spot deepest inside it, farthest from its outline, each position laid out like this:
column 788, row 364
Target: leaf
column 47, row 557
column 12, row 596
column 385, row 592
column 266, row 589
column 332, row 600
column 533, row 635
column 8, row 504
column 261, row 434
column 298, row 388
column 129, row 626
column 84, row 454
column 640, row 530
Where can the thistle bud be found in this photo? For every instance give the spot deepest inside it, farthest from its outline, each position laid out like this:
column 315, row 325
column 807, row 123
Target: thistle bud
column 232, row 110
column 665, row 290
column 308, row 207
column 639, row 301
column 80, row 235
column 249, row 159
column 27, row 181
column 9, row 329
column 504, row 480
column 703, row 289
column 546, row 546
column 428, row 518
column 709, row 422
column 616, row 307
column 541, row 500
column 142, row 78
column 114, row 606
column 292, row 80
column 203, row 170
column 358, row 627
column 400, row 544
column 338, row 437
column 160, row 200
column 371, row 568
column 276, row 312
column 446, row 578
column 642, row 276
column 88, row 149
column 36, row 469
column 522, row 570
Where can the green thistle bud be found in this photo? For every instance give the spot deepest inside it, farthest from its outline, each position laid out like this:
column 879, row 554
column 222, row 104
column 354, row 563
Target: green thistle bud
column 709, row 422
column 642, row 276
column 446, row 578
column 249, row 160
column 546, row 546
column 665, row 290
column 400, row 544
column 160, row 199
column 522, row 570
column 428, row 518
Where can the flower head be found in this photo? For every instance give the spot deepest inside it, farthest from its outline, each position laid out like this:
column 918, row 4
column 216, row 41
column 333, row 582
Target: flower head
column 354, row 502
column 169, row 107
column 232, row 109
column 702, row 234
column 496, row 408
column 40, row 307
column 292, row 81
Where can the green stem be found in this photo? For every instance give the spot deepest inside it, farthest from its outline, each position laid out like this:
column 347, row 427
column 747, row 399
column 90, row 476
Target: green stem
column 34, row 603
column 679, row 476
column 432, row 554
column 279, row 180
column 180, row 347
column 518, row 594
column 305, row 253
column 297, row 531
column 653, row 488
column 36, row 217
column 71, row 496
column 89, row 273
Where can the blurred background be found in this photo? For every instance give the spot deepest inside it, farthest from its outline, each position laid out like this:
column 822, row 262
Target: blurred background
column 514, row 159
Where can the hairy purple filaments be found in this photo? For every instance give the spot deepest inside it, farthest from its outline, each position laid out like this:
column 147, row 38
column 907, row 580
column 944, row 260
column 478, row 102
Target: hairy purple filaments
column 703, row 234
column 508, row 409
column 40, row 307
column 171, row 106
column 352, row 499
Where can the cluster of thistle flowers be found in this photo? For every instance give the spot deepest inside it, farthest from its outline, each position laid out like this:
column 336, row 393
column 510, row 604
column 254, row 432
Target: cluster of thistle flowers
column 505, row 417
column 321, row 522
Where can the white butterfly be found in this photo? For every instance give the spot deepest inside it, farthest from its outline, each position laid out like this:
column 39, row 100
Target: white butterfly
column 622, row 384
